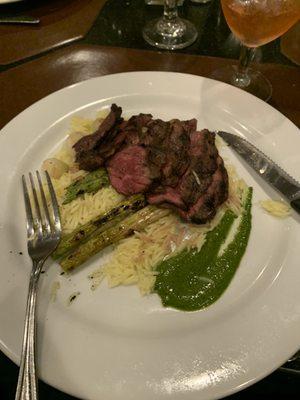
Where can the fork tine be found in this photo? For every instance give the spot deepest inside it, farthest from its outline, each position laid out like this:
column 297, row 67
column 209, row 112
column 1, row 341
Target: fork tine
column 37, row 207
column 46, row 211
column 55, row 207
column 29, row 217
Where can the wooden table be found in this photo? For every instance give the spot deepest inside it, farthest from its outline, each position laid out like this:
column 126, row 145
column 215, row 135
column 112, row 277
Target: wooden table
column 61, row 22
column 25, row 84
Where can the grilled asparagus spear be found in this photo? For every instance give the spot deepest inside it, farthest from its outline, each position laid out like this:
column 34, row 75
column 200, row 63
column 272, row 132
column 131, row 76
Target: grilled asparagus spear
column 90, row 183
column 99, row 224
column 138, row 221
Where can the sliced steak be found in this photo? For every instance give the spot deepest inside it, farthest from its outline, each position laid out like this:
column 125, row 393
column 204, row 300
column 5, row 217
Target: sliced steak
column 136, row 128
column 172, row 163
column 87, row 151
column 202, row 187
column 128, row 170
column 205, row 208
column 198, row 176
column 89, row 161
column 167, row 144
column 177, row 148
column 168, row 197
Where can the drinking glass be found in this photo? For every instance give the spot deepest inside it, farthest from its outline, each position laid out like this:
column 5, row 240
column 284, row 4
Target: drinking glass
column 255, row 23
column 170, row 32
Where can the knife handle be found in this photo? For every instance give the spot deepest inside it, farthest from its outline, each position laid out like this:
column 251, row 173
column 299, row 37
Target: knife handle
column 296, row 204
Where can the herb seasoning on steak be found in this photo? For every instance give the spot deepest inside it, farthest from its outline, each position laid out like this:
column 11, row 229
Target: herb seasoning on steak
column 175, row 165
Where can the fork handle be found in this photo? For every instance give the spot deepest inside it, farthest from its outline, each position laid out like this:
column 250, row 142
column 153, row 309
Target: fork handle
column 27, row 380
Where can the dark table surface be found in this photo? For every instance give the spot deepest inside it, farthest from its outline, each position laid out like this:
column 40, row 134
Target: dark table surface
column 119, row 24
column 114, row 27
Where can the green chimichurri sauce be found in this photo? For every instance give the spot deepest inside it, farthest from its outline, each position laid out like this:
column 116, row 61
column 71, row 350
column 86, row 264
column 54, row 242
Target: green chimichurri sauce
column 195, row 279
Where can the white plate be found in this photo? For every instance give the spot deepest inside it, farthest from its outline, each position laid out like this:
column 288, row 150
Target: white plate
column 112, row 343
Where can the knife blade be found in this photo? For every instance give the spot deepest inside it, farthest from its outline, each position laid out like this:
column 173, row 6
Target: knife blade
column 272, row 173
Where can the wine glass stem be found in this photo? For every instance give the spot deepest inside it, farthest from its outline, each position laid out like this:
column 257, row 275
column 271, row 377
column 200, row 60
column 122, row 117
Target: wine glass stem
column 241, row 77
column 170, row 10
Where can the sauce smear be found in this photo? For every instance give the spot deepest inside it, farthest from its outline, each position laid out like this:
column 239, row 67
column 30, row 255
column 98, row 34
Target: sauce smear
column 195, row 279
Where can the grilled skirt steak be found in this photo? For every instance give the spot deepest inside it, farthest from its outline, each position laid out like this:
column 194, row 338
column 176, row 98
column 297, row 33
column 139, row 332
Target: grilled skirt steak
column 91, row 150
column 175, row 165
column 129, row 171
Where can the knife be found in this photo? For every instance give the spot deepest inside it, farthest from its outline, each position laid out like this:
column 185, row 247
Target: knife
column 266, row 168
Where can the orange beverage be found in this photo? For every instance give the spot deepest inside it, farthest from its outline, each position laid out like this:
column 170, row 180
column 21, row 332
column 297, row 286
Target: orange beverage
column 257, row 22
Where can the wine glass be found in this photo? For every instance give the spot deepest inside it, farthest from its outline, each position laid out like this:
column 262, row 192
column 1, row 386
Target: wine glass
column 170, row 32
column 255, row 23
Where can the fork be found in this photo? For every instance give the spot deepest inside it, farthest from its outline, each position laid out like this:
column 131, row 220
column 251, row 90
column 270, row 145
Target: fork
column 43, row 235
